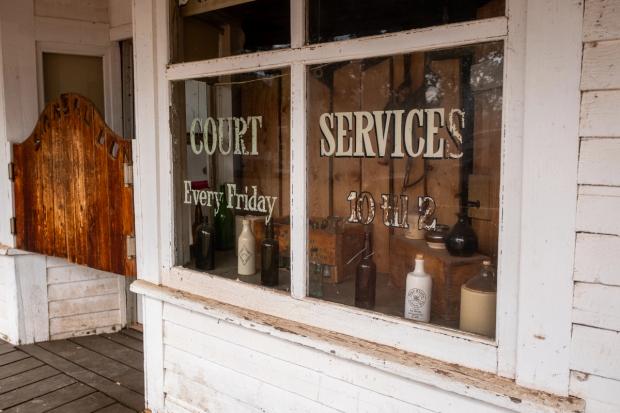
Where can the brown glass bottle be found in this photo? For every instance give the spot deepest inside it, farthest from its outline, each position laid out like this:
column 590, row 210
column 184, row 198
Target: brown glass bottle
column 366, row 276
column 204, row 246
column 270, row 258
column 196, row 224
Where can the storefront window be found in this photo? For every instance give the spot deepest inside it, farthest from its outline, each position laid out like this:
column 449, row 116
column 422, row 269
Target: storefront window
column 209, row 29
column 232, row 174
column 345, row 19
column 404, row 171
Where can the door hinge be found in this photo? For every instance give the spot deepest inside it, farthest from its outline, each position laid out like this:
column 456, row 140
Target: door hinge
column 11, row 171
column 128, row 174
column 131, row 246
column 13, row 226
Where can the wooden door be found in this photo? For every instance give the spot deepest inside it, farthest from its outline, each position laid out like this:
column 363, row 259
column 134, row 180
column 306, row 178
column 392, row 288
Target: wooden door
column 73, row 192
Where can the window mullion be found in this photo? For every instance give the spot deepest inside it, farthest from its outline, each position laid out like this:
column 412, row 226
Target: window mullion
column 299, row 222
column 298, row 23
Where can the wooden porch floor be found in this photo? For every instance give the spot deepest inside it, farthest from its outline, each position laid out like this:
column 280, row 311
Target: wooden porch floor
column 101, row 374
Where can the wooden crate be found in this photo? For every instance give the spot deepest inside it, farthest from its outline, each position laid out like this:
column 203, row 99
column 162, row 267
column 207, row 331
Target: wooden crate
column 448, row 273
column 336, row 245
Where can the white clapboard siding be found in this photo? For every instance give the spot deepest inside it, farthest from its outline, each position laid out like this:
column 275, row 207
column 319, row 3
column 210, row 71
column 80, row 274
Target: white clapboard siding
column 597, row 305
column 597, row 259
column 601, row 66
column 595, row 406
column 295, row 379
column 601, row 20
column 78, row 289
column 85, row 322
column 597, row 210
column 592, row 387
column 599, row 160
column 73, row 273
column 236, row 385
column 184, row 395
column 84, row 305
column 599, row 114
column 303, row 365
column 595, row 351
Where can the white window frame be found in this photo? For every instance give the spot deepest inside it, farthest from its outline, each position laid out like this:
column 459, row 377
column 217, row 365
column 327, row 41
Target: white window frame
column 517, row 351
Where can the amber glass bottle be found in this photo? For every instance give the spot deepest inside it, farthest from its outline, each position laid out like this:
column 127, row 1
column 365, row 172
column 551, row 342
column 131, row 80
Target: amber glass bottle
column 270, row 258
column 366, row 276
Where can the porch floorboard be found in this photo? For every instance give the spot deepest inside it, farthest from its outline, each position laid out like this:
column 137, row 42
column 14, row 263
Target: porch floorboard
column 102, row 374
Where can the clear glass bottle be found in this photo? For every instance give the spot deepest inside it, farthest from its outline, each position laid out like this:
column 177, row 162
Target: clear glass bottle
column 270, row 258
column 478, row 302
column 246, row 251
column 315, row 284
column 204, row 245
column 418, row 290
column 366, row 276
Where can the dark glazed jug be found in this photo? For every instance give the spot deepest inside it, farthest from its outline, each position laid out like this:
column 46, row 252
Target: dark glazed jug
column 462, row 240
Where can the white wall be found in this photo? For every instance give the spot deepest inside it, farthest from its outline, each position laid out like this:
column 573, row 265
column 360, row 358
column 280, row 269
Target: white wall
column 212, row 365
column 83, row 300
column 43, row 298
column 595, row 346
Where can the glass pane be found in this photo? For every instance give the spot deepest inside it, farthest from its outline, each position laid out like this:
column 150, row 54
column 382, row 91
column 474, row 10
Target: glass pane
column 231, row 136
column 404, row 161
column 218, row 28
column 345, row 19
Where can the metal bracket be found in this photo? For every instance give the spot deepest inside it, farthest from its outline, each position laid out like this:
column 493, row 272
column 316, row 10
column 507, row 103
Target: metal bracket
column 131, row 246
column 11, row 171
column 13, row 226
column 128, row 174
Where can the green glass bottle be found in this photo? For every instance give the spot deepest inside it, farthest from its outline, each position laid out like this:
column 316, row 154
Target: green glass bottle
column 224, row 225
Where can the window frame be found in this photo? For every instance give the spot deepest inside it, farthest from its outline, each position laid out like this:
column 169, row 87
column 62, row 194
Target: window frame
column 495, row 356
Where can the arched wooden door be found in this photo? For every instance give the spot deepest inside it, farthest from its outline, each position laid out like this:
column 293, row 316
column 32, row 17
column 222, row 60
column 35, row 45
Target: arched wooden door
column 73, row 191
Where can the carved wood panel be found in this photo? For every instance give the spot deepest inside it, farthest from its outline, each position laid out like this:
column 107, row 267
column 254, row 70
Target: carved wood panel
column 71, row 200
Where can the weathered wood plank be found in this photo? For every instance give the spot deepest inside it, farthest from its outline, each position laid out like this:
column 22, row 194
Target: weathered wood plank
column 597, row 306
column 594, row 351
column 33, row 390
column 599, row 161
column 601, row 66
column 113, row 350
column 81, row 322
column 594, row 207
column 124, row 395
column 11, row 357
column 132, row 333
column 116, row 408
column 17, row 367
column 203, row 397
column 6, row 348
column 86, row 305
column 103, row 366
column 592, row 387
column 51, row 400
column 80, row 289
column 86, row 404
column 74, row 273
column 126, row 341
column 599, row 115
column 27, row 377
column 601, row 20
column 597, row 259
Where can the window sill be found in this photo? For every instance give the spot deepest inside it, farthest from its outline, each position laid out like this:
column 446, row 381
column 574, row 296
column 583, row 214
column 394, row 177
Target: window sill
column 482, row 386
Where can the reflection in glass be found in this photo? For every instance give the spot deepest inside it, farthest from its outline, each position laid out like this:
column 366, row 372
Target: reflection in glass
column 408, row 148
column 209, row 29
column 231, row 136
column 331, row 20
